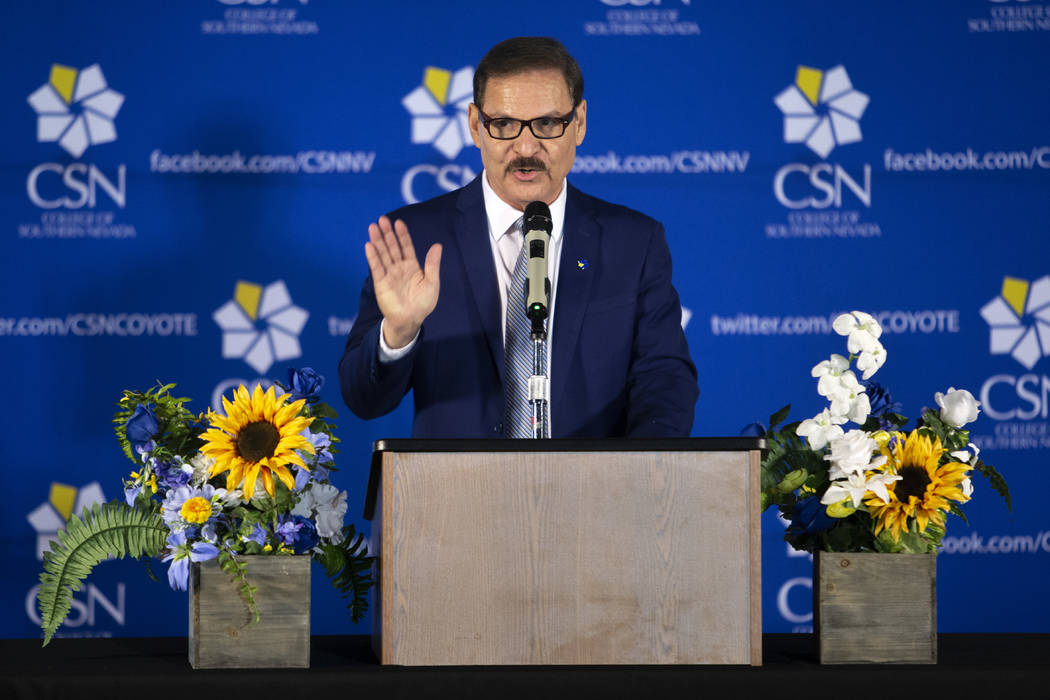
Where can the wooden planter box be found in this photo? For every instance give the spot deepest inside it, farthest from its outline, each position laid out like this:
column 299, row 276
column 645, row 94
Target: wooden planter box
column 875, row 608
column 221, row 635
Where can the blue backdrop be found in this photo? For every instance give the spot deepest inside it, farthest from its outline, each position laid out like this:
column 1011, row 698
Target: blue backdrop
column 167, row 163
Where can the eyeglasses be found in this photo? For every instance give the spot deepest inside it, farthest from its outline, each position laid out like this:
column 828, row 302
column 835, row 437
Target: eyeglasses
column 506, row 128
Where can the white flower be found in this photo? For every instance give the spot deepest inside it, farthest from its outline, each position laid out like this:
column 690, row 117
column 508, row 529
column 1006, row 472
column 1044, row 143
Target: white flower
column 201, row 468
column 965, row 456
column 851, row 454
column 862, row 330
column 957, row 407
column 821, row 428
column 327, row 505
column 870, row 361
column 967, row 487
column 828, row 373
column 855, row 485
column 849, row 400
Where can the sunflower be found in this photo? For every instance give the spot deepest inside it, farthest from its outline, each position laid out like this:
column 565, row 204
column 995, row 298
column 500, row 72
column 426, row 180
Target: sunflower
column 925, row 486
column 258, row 436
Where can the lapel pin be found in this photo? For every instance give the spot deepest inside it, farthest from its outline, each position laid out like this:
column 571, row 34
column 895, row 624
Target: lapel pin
column 583, row 263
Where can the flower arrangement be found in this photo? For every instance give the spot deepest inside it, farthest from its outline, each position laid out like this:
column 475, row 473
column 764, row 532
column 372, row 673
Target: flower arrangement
column 874, row 488
column 213, row 486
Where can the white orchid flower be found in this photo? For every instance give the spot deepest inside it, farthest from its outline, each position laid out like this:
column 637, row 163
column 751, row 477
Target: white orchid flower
column 967, row 487
column 861, row 329
column 821, row 428
column 828, row 373
column 848, row 399
column 870, row 361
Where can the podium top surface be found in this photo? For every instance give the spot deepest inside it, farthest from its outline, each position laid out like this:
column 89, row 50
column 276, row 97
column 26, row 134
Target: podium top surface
column 408, row 445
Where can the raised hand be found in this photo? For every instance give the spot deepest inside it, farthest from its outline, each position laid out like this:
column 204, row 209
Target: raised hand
column 405, row 293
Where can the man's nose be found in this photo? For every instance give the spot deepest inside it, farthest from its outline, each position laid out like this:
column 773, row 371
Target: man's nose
column 526, row 144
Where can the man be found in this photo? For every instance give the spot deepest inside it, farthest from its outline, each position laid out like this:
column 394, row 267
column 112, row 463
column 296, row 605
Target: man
column 618, row 361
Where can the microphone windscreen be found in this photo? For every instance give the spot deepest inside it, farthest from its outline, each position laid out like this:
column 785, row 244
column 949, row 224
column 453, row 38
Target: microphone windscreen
column 538, row 217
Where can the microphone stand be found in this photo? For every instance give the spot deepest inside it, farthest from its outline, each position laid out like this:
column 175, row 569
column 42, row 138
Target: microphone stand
column 539, row 382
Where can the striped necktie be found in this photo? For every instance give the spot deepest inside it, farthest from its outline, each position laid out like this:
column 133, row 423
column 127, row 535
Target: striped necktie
column 518, row 355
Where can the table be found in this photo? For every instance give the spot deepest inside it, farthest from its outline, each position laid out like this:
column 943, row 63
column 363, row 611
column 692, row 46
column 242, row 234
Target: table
column 344, row 667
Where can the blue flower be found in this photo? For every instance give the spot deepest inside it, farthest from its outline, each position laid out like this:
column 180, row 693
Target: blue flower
column 808, row 516
column 753, row 430
column 288, row 528
column 305, row 383
column 180, row 554
column 881, row 403
column 172, row 475
column 258, row 535
column 131, row 494
column 142, row 426
column 306, row 538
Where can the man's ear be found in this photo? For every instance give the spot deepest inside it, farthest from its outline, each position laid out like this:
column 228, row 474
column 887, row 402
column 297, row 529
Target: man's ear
column 474, row 122
column 581, row 121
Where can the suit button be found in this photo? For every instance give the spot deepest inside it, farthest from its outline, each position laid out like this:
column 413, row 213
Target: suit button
column 498, row 428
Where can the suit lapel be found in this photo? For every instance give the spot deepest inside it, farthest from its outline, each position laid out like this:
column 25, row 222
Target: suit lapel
column 472, row 240
column 581, row 243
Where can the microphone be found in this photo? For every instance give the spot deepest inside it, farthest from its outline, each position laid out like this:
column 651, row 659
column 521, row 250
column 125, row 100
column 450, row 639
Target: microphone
column 537, row 227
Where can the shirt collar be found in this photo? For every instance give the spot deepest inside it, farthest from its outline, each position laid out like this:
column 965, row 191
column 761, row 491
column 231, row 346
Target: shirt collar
column 502, row 215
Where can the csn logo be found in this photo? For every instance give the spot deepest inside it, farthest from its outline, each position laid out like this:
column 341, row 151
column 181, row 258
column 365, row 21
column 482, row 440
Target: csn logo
column 1019, row 326
column 75, row 109
column 439, row 118
column 822, row 110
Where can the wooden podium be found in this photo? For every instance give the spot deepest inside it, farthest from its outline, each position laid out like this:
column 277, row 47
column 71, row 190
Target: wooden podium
column 566, row 551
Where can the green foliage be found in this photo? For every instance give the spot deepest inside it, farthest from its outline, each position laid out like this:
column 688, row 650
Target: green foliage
column 996, row 480
column 350, row 568
column 889, row 421
column 111, row 529
column 852, row 534
column 237, row 571
column 179, row 429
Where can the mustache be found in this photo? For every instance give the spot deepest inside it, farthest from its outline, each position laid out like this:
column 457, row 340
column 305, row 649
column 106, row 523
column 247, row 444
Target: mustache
column 526, row 163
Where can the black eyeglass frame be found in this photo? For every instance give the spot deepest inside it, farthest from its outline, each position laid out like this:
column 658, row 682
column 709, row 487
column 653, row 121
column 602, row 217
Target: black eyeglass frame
column 486, row 120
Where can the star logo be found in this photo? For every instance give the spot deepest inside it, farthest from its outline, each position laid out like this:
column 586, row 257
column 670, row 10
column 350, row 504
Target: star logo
column 76, row 109
column 439, row 109
column 62, row 501
column 1019, row 319
column 821, row 109
column 261, row 325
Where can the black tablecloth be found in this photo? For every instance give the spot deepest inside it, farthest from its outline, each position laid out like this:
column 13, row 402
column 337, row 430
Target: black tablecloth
column 970, row 665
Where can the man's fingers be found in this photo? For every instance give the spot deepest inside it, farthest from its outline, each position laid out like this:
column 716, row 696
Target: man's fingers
column 375, row 265
column 404, row 240
column 390, row 238
column 378, row 242
column 432, row 265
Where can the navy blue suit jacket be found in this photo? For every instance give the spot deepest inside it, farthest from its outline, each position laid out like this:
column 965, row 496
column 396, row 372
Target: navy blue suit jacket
column 620, row 365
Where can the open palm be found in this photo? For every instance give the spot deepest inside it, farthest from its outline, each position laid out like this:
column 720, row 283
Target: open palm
column 406, row 294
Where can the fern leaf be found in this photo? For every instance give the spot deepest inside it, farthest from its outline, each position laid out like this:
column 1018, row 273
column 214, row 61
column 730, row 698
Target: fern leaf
column 996, row 480
column 112, row 529
column 350, row 568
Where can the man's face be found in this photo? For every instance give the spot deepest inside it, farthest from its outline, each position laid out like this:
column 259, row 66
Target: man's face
column 527, row 169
